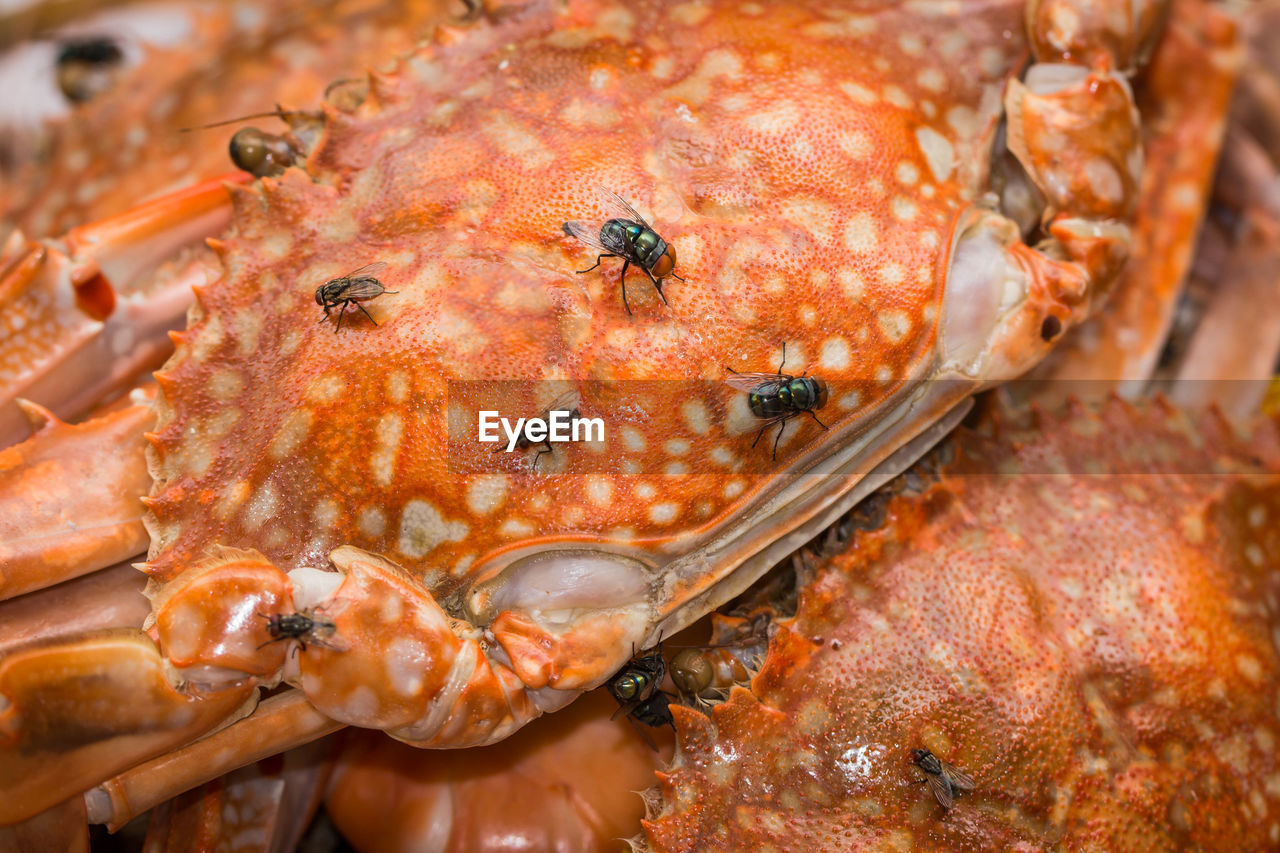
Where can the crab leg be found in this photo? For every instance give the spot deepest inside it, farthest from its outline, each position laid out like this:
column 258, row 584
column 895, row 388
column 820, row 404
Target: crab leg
column 279, row 724
column 270, row 803
column 71, row 498
column 82, row 318
column 50, row 748
column 61, row 828
column 1182, row 135
column 111, row 598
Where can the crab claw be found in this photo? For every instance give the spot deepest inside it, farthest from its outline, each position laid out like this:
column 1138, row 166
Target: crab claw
column 1094, row 32
column 70, row 498
column 407, row 667
column 85, row 315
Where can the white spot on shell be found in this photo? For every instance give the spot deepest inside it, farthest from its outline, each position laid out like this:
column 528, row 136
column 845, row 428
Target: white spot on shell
column 861, row 235
column 260, row 508
column 664, row 513
column 696, row 416
column 372, row 521
column 406, row 662
column 853, row 284
column 326, row 389
column 834, row 354
column 779, row 117
column 894, row 325
column 938, row 152
column 382, row 461
column 291, row 434
column 325, row 514
column 398, row 385
column 422, row 528
column 487, row 493
column 903, row 209
column 599, row 490
column 632, row 440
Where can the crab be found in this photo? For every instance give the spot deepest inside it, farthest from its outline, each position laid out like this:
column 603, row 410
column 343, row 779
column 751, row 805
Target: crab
column 1078, row 610
column 796, row 157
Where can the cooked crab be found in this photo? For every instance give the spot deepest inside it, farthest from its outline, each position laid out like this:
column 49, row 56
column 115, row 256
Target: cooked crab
column 822, row 172
column 1081, row 612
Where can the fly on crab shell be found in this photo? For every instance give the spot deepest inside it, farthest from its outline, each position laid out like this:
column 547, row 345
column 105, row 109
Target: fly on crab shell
column 1105, row 571
column 304, row 626
column 472, row 602
column 777, row 398
column 357, row 286
column 944, row 780
column 629, row 237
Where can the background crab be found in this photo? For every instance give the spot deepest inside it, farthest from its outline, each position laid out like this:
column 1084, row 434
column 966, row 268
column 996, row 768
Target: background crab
column 374, row 185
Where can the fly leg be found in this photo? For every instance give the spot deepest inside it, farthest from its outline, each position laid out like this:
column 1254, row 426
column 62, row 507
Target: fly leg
column 657, row 285
column 781, row 429
column 623, row 278
column 599, row 258
column 366, row 313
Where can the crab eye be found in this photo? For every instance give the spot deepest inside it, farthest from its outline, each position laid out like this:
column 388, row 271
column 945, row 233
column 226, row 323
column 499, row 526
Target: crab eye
column 691, row 671
column 88, row 67
column 248, row 149
column 261, row 154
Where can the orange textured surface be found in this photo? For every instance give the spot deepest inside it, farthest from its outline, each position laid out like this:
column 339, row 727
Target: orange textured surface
column 808, row 187
column 1098, row 652
column 1183, row 122
column 126, row 145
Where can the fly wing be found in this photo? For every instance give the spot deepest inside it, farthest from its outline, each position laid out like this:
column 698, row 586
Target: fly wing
column 367, row 270
column 960, row 780
column 763, row 383
column 566, row 402
column 587, row 233
column 359, row 289
column 941, row 789
column 615, row 202
column 627, row 707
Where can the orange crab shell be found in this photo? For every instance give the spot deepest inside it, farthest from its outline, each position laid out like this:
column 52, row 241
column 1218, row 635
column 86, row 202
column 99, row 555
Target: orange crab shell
column 1081, row 615
column 277, row 432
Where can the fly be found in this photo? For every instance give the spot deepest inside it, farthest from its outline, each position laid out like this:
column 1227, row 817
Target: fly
column 305, row 626
column 777, row 398
column 635, row 687
column 944, row 780
column 351, row 289
column 629, row 237
column 566, row 402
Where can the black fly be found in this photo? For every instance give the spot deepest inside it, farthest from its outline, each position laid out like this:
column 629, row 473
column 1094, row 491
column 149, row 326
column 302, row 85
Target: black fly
column 778, row 397
column 305, row 626
column 351, row 289
column 944, row 780
column 635, row 687
column 629, row 237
